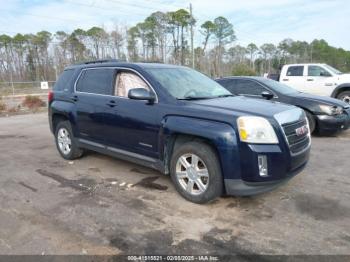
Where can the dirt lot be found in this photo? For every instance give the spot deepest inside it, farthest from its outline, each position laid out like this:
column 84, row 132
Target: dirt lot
column 101, row 205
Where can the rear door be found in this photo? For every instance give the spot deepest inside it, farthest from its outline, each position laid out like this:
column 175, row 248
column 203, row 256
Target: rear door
column 92, row 95
column 294, row 77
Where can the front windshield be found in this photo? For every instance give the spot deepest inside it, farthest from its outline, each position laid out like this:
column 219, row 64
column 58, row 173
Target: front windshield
column 278, row 87
column 185, row 83
column 333, row 70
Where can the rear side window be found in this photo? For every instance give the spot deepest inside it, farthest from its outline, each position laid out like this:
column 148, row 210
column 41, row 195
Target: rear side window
column 295, row 71
column 63, row 80
column 96, row 81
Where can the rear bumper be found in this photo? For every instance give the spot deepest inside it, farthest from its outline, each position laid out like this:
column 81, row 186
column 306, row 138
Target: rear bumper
column 239, row 187
column 333, row 124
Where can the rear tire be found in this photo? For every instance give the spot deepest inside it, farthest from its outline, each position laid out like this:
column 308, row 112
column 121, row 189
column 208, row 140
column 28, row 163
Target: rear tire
column 344, row 96
column 66, row 143
column 196, row 173
column 312, row 121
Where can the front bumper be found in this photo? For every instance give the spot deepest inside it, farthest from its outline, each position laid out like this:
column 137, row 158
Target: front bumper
column 333, row 124
column 239, row 187
column 280, row 162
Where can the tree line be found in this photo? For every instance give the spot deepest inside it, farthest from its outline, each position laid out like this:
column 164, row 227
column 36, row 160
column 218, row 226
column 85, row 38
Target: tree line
column 161, row 37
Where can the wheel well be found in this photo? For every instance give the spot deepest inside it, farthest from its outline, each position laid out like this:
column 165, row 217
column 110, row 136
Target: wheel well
column 56, row 118
column 340, row 90
column 306, row 110
column 178, row 139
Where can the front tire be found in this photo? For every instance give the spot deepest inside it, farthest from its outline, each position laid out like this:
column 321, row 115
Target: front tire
column 65, row 142
column 196, row 173
column 344, row 96
column 312, row 121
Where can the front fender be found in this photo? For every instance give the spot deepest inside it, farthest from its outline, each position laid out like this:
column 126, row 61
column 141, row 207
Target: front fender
column 340, row 88
column 221, row 135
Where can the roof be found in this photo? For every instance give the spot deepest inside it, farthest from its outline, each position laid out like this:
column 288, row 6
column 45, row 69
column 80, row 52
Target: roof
column 302, row 64
column 114, row 63
column 241, row 77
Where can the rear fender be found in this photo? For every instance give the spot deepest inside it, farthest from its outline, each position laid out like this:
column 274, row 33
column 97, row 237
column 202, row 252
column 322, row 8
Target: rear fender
column 66, row 109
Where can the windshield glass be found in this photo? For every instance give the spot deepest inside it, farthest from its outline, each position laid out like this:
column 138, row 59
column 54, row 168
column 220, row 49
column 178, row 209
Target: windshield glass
column 333, row 70
column 278, row 87
column 185, row 83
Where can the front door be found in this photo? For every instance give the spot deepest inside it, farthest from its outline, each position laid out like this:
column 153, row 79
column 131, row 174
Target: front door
column 319, row 81
column 132, row 125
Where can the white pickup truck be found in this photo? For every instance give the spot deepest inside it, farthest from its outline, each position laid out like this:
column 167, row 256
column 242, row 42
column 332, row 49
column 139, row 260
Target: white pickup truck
column 317, row 79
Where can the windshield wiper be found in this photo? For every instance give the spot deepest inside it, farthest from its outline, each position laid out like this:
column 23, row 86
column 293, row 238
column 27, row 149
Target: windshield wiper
column 195, row 97
column 228, row 95
column 203, row 97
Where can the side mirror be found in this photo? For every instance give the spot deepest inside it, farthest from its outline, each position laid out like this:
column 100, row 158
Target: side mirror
column 141, row 94
column 267, row 95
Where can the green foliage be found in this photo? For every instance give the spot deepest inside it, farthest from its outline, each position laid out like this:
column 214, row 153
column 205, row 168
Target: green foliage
column 160, row 37
column 207, row 30
column 243, row 70
column 223, row 31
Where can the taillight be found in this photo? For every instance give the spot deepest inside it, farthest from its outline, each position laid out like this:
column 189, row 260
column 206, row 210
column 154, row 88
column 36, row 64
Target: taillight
column 50, row 96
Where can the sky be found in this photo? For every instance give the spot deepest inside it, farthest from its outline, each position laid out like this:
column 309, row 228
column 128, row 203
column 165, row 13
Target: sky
column 258, row 21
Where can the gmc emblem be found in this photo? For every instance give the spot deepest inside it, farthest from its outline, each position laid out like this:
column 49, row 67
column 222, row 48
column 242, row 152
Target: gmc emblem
column 302, row 130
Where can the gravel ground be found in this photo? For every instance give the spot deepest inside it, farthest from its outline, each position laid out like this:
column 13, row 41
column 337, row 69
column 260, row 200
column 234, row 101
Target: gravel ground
column 101, row 205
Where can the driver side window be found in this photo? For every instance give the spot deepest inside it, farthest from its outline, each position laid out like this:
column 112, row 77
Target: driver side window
column 248, row 87
column 125, row 81
column 317, row 71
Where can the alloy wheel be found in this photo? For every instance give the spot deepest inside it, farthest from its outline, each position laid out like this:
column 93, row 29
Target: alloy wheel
column 192, row 174
column 64, row 141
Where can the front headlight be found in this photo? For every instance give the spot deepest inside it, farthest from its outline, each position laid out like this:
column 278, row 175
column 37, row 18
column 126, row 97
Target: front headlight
column 331, row 110
column 253, row 129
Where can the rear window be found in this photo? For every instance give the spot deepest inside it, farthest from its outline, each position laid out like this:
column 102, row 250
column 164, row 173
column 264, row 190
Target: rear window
column 96, row 81
column 63, row 80
column 295, row 71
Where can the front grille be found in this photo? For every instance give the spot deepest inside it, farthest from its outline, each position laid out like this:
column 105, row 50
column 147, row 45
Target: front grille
column 297, row 143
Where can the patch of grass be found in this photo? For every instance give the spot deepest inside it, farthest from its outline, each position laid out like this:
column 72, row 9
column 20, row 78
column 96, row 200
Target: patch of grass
column 33, row 102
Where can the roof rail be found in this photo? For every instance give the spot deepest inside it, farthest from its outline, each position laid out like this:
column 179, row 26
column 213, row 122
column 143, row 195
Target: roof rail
column 151, row 61
column 101, row 61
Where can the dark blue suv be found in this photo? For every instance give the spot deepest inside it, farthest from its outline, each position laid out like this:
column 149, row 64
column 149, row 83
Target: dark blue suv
column 180, row 122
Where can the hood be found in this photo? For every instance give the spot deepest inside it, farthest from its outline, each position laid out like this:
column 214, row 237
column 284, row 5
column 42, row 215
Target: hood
column 243, row 106
column 320, row 99
column 343, row 78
